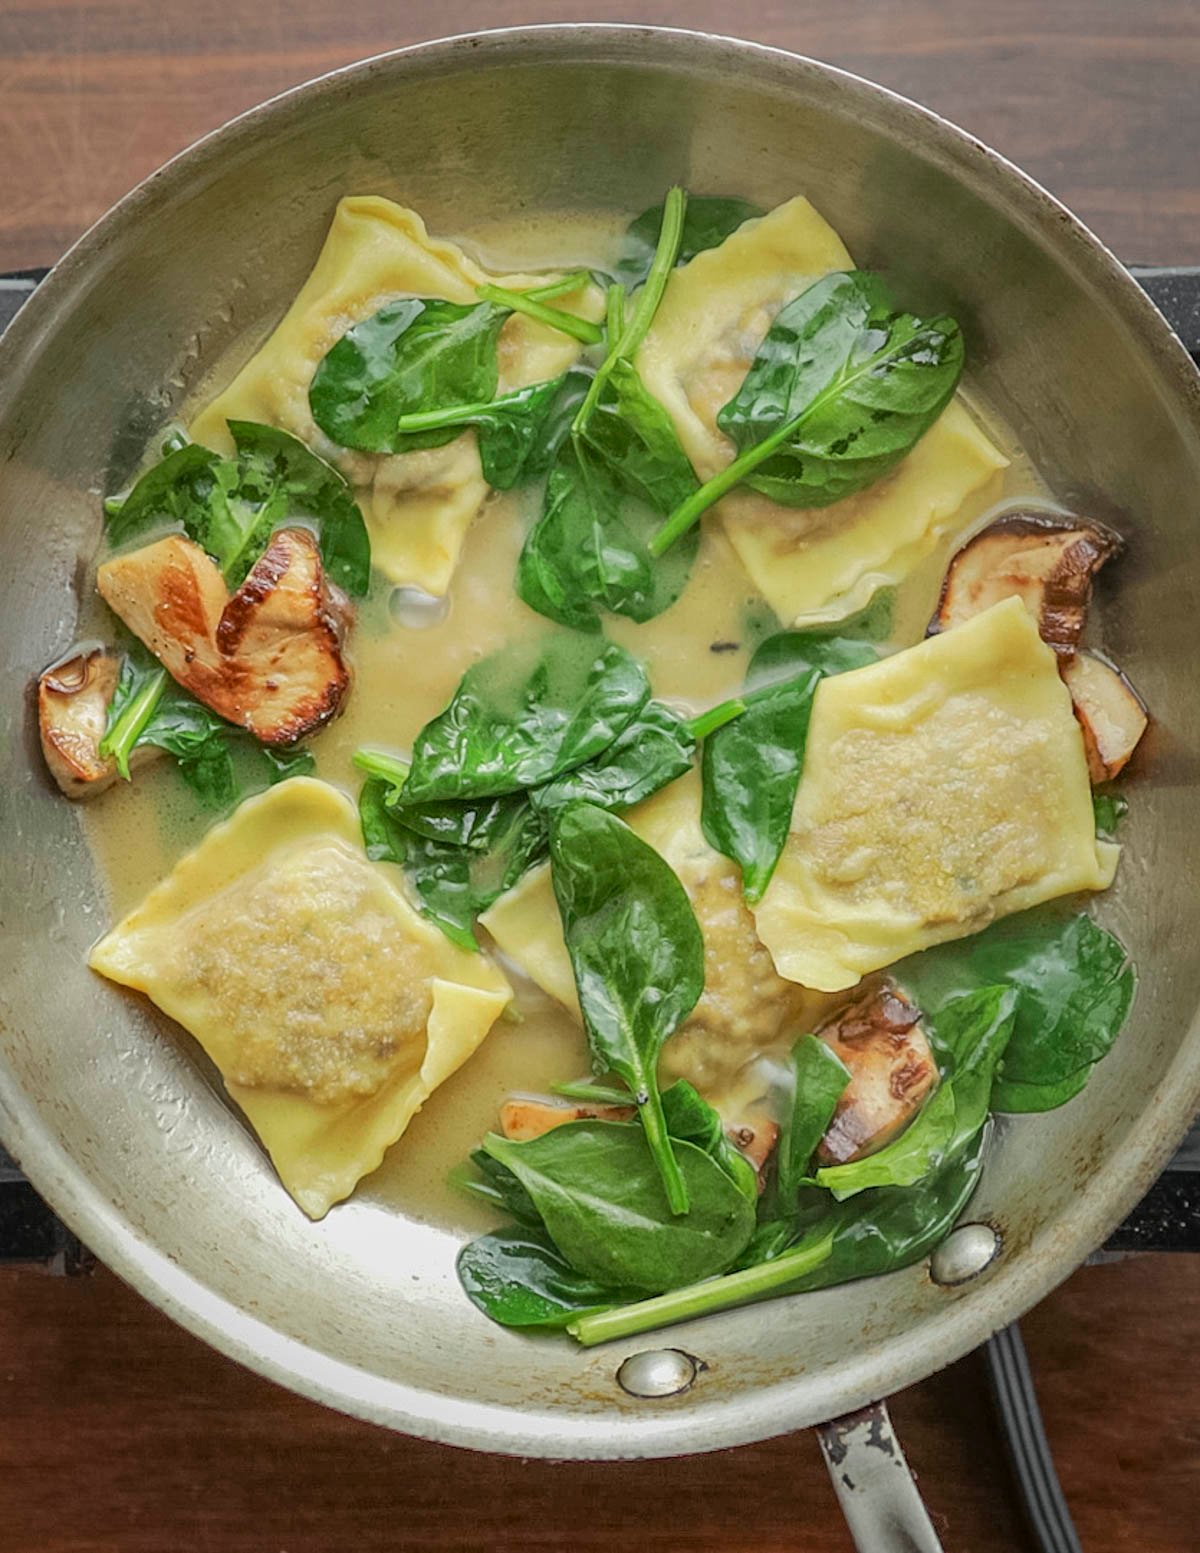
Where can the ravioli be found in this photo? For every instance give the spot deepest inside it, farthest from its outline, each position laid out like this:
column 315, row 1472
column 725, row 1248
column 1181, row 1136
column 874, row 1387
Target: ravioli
column 418, row 506
column 332, row 1009
column 746, row 1008
column 942, row 788
column 820, row 563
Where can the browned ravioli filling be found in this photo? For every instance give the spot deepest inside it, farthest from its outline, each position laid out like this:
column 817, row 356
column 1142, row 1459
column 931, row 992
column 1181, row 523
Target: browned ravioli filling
column 317, row 992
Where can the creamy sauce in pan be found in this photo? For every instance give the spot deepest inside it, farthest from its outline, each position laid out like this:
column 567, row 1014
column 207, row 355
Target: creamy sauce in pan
column 408, row 655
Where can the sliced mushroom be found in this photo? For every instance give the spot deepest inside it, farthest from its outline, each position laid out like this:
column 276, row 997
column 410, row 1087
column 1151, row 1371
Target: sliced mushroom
column 73, row 702
column 268, row 658
column 880, row 1039
column 523, row 1117
column 1110, row 712
column 1045, row 559
column 755, row 1143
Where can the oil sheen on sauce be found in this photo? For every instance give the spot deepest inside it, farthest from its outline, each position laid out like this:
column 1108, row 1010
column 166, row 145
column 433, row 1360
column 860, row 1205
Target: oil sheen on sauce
column 408, row 654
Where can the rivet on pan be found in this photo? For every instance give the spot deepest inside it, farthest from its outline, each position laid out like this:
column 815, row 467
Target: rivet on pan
column 964, row 1254
column 658, row 1372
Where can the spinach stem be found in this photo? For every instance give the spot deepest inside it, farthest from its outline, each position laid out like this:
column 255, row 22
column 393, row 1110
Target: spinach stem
column 378, row 763
column 689, row 511
column 574, row 281
column 119, row 740
column 567, row 323
column 633, row 332
column 650, row 1112
column 451, row 415
column 701, row 1299
column 597, row 1094
column 614, row 311
column 716, row 717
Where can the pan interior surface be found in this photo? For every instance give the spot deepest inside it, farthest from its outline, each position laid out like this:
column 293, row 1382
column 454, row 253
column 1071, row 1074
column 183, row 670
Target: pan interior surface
column 106, row 1111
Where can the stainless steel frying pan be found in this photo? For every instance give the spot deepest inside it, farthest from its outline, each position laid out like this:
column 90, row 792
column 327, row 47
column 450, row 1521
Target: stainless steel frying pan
column 106, row 1110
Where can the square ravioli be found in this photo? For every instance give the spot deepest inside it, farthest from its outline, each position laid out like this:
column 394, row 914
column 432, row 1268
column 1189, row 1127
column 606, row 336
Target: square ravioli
column 418, row 506
column 331, row 1008
column 942, row 787
column 810, row 564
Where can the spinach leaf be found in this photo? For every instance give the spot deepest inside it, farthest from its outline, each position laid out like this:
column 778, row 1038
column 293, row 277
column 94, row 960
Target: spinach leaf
column 599, row 1192
column 185, row 488
column 842, row 388
column 750, row 771
column 637, row 955
column 414, row 354
column 479, row 824
column 495, row 1183
column 1074, row 986
column 971, row 1033
column 525, row 715
column 654, row 749
column 217, row 760
column 877, row 1232
column 789, row 654
column 519, row 433
column 283, row 481
column 636, row 438
column 691, row 1119
column 453, row 883
column 818, row 1080
column 751, row 767
column 588, row 552
column 519, row 1278
column 230, row 507
column 709, row 221
column 1110, row 809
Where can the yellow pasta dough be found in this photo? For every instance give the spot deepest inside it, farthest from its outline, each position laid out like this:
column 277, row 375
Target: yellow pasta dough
column 332, row 1009
column 810, row 564
column 942, row 788
column 418, row 506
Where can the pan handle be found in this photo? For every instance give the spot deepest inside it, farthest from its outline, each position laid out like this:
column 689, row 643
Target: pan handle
column 879, row 1495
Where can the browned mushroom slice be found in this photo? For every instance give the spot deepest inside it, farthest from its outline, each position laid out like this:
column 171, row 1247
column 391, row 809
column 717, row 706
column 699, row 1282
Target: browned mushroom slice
column 1045, row 559
column 73, row 701
column 1109, row 710
column 268, row 658
column 523, row 1117
column 755, row 1142
column 881, row 1042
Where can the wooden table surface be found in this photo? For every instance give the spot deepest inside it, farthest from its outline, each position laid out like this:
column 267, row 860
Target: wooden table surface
column 120, row 1432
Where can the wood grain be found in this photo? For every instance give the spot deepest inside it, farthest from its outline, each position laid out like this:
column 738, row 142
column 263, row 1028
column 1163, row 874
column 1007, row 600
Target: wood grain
column 1097, row 98
column 122, row 1434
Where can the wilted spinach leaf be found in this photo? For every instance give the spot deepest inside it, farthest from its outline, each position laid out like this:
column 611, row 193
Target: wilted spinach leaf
column 654, row 749
column 751, row 768
column 588, row 552
column 231, row 507
column 691, row 1119
column 637, row 955
column 971, row 1033
column 818, row 1080
column 602, row 1200
column 285, row 482
column 525, row 715
column 710, row 219
column 453, row 882
column 841, row 389
column 636, row 438
column 413, row 355
column 519, row 1278
column 1074, row 984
